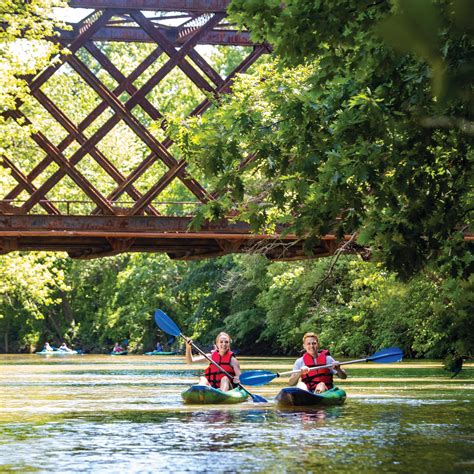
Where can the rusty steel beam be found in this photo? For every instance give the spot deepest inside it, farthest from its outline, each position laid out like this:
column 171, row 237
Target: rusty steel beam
column 156, row 189
column 26, row 183
column 196, row 6
column 94, row 237
column 183, row 249
column 206, row 68
column 128, row 34
column 88, row 237
column 116, row 226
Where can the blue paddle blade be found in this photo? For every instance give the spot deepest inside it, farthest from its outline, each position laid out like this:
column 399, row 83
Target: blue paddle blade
column 166, row 324
column 257, row 398
column 390, row 354
column 254, row 378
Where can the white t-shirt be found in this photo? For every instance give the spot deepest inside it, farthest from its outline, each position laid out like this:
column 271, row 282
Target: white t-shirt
column 300, row 363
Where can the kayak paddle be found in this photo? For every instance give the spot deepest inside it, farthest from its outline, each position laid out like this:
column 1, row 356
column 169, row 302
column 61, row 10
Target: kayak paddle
column 166, row 324
column 261, row 377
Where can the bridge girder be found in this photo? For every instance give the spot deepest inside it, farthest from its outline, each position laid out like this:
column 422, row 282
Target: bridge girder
column 93, row 236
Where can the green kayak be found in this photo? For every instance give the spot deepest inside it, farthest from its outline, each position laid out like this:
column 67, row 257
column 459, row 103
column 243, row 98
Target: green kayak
column 161, row 353
column 296, row 397
column 57, row 353
column 203, row 395
column 122, row 353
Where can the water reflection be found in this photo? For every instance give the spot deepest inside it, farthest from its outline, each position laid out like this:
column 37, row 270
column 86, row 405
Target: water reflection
column 223, row 416
column 310, row 416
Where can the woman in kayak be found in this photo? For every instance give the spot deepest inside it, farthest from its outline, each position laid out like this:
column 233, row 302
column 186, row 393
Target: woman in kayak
column 316, row 380
column 223, row 356
column 47, row 347
column 117, row 348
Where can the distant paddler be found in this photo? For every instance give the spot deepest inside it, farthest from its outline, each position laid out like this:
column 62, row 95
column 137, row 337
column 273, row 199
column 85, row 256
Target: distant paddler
column 117, row 348
column 47, row 347
column 320, row 380
column 224, row 357
column 64, row 348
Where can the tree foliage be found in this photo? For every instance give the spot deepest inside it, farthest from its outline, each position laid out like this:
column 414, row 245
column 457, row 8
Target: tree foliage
column 343, row 134
column 30, row 286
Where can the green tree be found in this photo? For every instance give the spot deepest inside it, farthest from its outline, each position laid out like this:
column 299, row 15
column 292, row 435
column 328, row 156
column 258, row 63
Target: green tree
column 29, row 291
column 343, row 131
column 24, row 50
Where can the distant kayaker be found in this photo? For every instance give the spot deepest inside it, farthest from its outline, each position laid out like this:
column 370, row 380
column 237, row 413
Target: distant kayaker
column 117, row 348
column 47, row 347
column 159, row 347
column 317, row 380
column 63, row 347
column 224, row 357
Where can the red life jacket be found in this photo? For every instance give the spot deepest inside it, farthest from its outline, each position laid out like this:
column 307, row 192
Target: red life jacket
column 312, row 379
column 213, row 374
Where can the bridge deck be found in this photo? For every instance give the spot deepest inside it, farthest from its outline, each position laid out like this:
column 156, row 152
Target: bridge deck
column 97, row 236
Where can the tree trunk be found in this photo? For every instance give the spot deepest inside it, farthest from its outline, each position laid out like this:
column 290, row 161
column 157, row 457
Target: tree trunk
column 68, row 314
column 5, row 336
column 56, row 326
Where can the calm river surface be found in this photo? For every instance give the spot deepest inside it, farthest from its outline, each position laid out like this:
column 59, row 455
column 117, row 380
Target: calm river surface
column 98, row 413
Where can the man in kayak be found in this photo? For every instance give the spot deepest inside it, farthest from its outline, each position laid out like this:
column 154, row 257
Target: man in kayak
column 63, row 347
column 315, row 380
column 223, row 356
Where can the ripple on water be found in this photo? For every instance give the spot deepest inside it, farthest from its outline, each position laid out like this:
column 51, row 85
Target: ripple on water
column 404, row 401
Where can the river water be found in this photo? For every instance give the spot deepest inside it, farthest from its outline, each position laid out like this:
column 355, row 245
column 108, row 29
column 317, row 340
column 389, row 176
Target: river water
column 98, row 413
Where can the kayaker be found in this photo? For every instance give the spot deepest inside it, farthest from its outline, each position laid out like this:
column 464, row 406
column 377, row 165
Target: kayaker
column 63, row 347
column 47, row 347
column 117, row 348
column 159, row 347
column 223, row 356
column 317, row 380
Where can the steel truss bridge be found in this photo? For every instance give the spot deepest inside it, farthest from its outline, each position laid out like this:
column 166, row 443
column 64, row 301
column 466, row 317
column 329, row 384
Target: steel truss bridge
column 125, row 216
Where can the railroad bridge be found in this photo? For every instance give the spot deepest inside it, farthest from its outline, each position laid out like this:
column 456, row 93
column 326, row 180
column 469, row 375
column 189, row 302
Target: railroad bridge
column 54, row 200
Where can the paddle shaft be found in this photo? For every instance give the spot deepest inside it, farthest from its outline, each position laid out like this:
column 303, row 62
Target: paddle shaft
column 312, row 369
column 189, row 341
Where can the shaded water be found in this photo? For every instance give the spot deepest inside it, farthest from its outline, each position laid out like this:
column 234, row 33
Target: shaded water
column 125, row 414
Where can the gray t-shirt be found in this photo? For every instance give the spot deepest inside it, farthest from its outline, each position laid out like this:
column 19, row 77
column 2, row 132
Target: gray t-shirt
column 300, row 363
